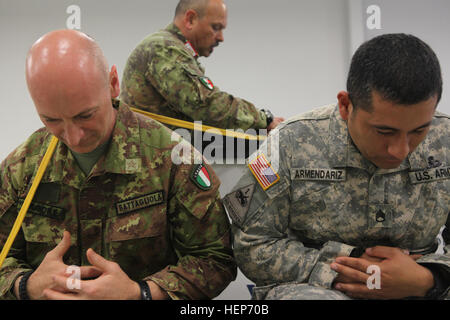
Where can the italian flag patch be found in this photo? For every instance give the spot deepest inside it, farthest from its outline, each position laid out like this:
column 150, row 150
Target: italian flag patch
column 207, row 83
column 200, row 177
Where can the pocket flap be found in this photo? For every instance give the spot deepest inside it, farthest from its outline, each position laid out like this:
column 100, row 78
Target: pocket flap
column 135, row 226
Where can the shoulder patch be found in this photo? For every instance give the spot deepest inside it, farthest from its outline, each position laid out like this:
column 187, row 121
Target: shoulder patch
column 207, row 82
column 263, row 172
column 200, row 177
column 238, row 202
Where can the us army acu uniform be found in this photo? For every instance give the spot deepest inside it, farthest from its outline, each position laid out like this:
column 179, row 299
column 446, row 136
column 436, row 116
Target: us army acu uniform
column 162, row 75
column 314, row 197
column 159, row 221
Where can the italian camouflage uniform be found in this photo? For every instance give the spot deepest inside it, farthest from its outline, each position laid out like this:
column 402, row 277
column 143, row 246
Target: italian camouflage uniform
column 162, row 75
column 136, row 207
column 323, row 199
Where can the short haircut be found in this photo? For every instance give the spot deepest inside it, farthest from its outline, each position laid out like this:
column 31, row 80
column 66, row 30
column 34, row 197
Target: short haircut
column 401, row 68
column 198, row 5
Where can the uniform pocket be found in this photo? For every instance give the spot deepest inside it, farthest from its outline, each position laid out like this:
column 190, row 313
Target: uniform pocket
column 139, row 243
column 42, row 229
column 135, row 226
column 320, row 215
column 42, row 234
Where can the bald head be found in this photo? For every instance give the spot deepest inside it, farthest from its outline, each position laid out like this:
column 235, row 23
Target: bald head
column 62, row 56
column 71, row 87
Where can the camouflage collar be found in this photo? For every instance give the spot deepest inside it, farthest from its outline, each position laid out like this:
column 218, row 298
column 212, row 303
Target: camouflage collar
column 173, row 29
column 342, row 151
column 429, row 150
column 125, row 150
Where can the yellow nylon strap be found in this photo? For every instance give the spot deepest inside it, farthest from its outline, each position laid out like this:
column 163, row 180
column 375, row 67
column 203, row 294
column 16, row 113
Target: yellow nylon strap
column 37, row 179
column 192, row 126
column 51, row 148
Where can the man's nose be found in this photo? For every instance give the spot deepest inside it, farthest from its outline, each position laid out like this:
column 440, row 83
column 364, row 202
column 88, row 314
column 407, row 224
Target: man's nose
column 73, row 135
column 220, row 37
column 399, row 148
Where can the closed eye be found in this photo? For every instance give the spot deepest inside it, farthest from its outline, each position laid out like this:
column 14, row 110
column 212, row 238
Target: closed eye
column 85, row 116
column 50, row 120
column 386, row 133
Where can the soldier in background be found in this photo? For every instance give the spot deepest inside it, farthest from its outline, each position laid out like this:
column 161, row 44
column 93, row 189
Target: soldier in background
column 365, row 182
column 140, row 226
column 163, row 75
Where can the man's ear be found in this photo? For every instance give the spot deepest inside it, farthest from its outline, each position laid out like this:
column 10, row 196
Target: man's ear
column 114, row 84
column 345, row 105
column 190, row 19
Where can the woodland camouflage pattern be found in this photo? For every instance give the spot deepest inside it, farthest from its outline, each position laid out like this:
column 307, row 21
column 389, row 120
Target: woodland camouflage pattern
column 163, row 77
column 170, row 232
column 293, row 231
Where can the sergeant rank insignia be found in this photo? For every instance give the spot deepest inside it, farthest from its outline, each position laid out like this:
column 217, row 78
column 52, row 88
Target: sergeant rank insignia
column 263, row 172
column 200, row 177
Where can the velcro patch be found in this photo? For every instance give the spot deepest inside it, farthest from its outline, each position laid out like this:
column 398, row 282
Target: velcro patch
column 238, row 202
column 200, row 177
column 132, row 165
column 318, row 174
column 207, row 83
column 429, row 175
column 263, row 172
column 42, row 209
column 146, row 201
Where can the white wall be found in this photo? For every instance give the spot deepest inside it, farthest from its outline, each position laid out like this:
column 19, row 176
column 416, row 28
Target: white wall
column 428, row 20
column 285, row 55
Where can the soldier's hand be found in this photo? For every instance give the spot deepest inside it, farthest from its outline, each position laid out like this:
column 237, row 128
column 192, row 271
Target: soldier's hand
column 349, row 278
column 275, row 122
column 51, row 265
column 112, row 283
column 400, row 275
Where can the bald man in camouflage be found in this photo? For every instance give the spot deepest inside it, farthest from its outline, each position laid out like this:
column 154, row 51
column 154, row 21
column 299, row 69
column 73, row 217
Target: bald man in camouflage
column 163, row 75
column 112, row 202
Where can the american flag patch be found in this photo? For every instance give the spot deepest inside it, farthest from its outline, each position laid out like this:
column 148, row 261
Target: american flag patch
column 263, row 172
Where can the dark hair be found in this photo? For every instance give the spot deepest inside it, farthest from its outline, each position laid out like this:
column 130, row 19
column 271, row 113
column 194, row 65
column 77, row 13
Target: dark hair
column 401, row 68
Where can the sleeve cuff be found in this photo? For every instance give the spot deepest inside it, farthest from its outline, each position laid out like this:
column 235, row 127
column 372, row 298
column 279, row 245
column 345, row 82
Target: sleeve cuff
column 441, row 281
column 7, row 283
column 322, row 275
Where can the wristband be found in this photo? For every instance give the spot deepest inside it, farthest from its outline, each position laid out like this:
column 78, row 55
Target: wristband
column 269, row 116
column 23, row 294
column 145, row 290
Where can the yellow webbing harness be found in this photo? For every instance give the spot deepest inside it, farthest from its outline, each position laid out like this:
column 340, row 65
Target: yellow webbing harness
column 51, row 148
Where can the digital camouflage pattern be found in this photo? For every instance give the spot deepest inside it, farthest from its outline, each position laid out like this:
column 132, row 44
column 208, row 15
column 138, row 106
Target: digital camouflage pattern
column 329, row 200
column 136, row 208
column 163, row 76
